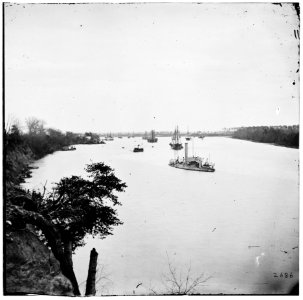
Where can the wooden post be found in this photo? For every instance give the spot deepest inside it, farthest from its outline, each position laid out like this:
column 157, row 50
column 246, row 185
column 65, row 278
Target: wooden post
column 91, row 276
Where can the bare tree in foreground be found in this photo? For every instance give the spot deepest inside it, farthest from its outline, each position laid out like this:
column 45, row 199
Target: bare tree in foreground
column 102, row 279
column 180, row 283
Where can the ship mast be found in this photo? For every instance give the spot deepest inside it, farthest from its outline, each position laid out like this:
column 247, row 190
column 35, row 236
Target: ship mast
column 177, row 135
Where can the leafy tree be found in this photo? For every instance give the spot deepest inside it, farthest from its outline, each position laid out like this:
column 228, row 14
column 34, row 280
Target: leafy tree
column 91, row 138
column 55, row 139
column 74, row 208
column 13, row 137
column 17, row 155
column 36, row 137
column 71, row 138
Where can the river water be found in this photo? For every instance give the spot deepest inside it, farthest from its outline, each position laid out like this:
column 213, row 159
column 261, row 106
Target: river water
column 239, row 225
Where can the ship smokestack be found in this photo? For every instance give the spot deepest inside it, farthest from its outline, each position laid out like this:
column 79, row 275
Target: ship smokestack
column 186, row 152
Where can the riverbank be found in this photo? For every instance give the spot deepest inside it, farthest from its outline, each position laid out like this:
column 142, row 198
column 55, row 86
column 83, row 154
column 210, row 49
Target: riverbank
column 30, row 267
column 272, row 144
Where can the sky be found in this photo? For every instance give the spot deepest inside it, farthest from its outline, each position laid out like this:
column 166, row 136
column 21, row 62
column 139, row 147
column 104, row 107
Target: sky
column 137, row 67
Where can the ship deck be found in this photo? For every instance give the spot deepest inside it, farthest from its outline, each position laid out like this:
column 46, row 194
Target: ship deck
column 192, row 168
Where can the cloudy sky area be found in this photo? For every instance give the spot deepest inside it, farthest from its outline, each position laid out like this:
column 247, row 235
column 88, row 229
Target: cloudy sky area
column 110, row 67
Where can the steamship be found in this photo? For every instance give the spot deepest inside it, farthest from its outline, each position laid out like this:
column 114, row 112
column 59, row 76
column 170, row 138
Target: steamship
column 194, row 163
column 138, row 149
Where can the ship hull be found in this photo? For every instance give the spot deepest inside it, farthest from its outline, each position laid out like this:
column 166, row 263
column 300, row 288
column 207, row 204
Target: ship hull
column 152, row 140
column 176, row 146
column 192, row 168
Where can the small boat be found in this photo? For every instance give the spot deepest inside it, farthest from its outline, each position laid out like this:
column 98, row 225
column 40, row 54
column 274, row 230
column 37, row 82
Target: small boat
column 188, row 137
column 102, row 142
column 176, row 140
column 138, row 149
column 201, row 136
column 144, row 137
column 109, row 137
column 194, row 163
column 68, row 148
column 152, row 138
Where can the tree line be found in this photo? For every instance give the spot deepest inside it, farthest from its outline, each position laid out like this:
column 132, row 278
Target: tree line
column 21, row 147
column 42, row 140
column 280, row 135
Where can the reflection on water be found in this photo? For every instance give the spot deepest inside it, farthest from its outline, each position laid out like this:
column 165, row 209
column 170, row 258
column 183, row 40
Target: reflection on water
column 238, row 225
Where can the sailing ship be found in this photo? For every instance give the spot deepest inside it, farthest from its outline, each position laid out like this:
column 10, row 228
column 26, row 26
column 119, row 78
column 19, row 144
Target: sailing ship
column 176, row 140
column 152, row 138
column 194, row 163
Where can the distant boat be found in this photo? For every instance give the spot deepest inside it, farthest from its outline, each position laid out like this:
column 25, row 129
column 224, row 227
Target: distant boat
column 101, row 142
column 109, row 137
column 138, row 149
column 188, row 137
column 201, row 136
column 194, row 163
column 176, row 140
column 144, row 137
column 68, row 148
column 152, row 138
